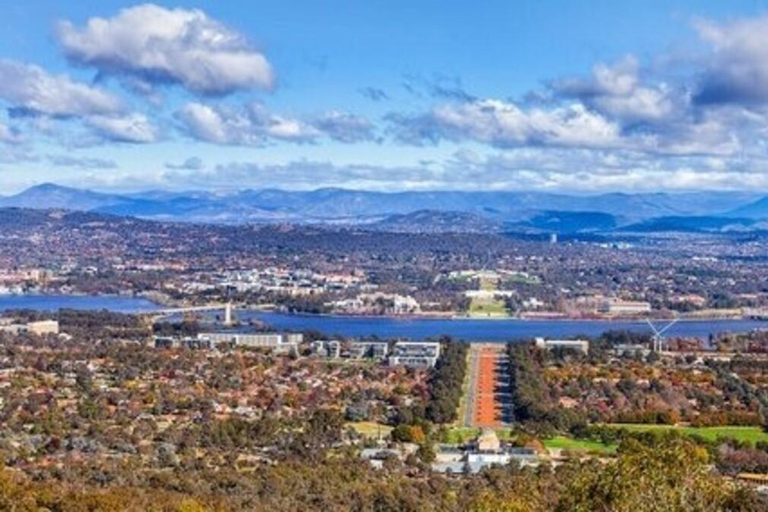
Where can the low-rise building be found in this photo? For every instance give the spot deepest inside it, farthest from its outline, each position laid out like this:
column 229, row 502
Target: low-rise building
column 326, row 348
column 625, row 307
column 368, row 349
column 487, row 450
column 419, row 354
column 40, row 328
column 281, row 342
column 577, row 345
column 177, row 342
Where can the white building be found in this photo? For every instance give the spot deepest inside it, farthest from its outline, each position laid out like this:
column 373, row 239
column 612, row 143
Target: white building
column 420, row 354
column 577, row 345
column 624, row 307
column 282, row 342
column 326, row 348
column 40, row 328
column 372, row 349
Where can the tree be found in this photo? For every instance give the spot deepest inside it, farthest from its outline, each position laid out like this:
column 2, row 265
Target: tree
column 673, row 476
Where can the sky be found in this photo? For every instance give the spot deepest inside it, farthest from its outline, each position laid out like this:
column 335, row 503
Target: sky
column 393, row 95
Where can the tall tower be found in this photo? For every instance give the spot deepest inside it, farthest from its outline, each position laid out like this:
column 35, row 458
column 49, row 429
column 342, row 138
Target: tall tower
column 228, row 314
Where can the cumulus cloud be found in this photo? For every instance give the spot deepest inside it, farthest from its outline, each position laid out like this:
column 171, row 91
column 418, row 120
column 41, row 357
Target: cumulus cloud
column 616, row 90
column 132, row 128
column 738, row 70
column 254, row 125
column 505, row 124
column 618, row 106
column 156, row 45
column 250, row 126
column 30, row 90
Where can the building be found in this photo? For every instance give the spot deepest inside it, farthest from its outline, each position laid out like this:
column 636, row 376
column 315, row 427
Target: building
column 187, row 341
column 368, row 349
column 487, row 450
column 577, row 345
column 43, row 327
column 40, row 328
column 624, row 307
column 378, row 303
column 326, row 348
column 282, row 342
column 417, row 354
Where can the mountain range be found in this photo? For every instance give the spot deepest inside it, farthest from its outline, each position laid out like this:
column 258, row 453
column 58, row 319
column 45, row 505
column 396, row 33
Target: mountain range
column 414, row 211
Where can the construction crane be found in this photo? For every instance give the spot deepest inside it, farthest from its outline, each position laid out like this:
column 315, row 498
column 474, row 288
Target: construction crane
column 658, row 334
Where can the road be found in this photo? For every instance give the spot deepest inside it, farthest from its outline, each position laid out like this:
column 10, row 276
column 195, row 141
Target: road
column 489, row 400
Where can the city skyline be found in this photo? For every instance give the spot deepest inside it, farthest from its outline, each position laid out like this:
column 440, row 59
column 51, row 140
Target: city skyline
column 436, row 96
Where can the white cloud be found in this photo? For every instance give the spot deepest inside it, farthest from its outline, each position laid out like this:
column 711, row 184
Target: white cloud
column 505, row 124
column 30, row 89
column 737, row 71
column 132, row 128
column 254, row 125
column 155, row 45
column 617, row 91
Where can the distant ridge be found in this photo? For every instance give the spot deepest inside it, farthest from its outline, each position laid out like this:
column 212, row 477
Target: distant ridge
column 754, row 210
column 542, row 211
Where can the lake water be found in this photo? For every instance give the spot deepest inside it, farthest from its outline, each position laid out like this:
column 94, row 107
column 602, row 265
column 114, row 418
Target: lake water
column 82, row 302
column 384, row 327
column 487, row 330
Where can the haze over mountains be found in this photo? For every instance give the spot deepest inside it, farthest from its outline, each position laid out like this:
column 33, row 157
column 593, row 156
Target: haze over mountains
column 422, row 211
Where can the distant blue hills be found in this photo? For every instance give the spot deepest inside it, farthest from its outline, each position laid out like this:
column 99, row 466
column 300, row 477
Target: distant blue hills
column 422, row 211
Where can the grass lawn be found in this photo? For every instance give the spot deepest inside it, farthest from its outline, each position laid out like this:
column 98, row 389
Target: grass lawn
column 464, row 392
column 743, row 434
column 523, row 279
column 578, row 445
column 487, row 307
column 460, row 435
column 370, row 428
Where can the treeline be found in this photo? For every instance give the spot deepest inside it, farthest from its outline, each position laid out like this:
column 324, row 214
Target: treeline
column 446, row 382
column 671, row 475
column 444, row 389
column 532, row 405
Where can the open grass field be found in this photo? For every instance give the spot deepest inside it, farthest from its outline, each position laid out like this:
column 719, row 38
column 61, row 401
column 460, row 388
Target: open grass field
column 516, row 278
column 578, row 445
column 370, row 429
column 487, row 307
column 743, row 434
column 460, row 435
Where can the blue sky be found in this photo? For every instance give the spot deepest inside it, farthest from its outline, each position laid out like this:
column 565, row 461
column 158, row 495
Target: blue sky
column 551, row 95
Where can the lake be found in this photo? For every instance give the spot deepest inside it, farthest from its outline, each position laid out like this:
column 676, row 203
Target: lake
column 487, row 330
column 387, row 327
column 112, row 303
